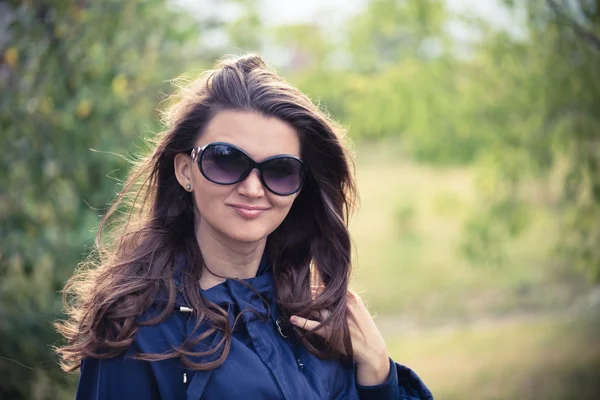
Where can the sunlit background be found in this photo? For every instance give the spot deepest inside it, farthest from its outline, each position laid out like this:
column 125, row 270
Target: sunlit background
column 476, row 128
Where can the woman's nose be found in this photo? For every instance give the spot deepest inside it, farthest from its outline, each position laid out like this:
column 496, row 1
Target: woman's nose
column 252, row 186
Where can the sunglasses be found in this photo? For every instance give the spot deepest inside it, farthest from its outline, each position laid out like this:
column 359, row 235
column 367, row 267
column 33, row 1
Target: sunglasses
column 226, row 164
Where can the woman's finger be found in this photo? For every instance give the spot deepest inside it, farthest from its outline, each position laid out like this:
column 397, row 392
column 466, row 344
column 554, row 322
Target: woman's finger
column 352, row 298
column 324, row 314
column 308, row 325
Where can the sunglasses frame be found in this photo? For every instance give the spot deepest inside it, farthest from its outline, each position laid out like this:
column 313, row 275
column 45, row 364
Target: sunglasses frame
column 198, row 152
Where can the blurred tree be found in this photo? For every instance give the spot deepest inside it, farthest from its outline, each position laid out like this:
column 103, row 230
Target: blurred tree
column 524, row 108
column 398, row 76
column 521, row 103
column 74, row 77
column 392, row 31
column 539, row 104
column 246, row 31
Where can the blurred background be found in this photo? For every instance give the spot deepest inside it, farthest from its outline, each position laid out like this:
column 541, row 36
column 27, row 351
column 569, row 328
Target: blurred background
column 476, row 127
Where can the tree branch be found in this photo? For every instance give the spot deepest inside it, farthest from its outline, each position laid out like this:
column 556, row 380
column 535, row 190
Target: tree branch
column 584, row 33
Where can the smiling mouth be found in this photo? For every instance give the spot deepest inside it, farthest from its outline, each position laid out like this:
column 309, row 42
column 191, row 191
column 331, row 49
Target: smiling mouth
column 248, row 212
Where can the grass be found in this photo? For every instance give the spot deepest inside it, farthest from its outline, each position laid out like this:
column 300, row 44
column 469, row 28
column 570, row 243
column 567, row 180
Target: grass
column 531, row 358
column 471, row 332
column 407, row 233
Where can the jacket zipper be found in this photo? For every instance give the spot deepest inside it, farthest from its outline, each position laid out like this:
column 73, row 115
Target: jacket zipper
column 293, row 344
column 270, row 372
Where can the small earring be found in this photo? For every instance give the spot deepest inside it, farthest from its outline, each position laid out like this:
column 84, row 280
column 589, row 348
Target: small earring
column 188, row 187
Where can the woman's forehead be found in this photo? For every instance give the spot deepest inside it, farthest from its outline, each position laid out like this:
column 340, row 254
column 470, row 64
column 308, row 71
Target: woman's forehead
column 259, row 136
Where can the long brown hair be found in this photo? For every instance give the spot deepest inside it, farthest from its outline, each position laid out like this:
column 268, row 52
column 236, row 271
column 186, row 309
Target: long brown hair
column 152, row 220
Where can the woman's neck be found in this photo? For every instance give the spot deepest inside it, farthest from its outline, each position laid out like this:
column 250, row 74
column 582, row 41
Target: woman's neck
column 226, row 258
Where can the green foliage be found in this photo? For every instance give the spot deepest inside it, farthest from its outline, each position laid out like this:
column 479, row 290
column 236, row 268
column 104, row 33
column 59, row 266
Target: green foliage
column 398, row 77
column 246, row 31
column 520, row 105
column 78, row 80
column 545, row 115
column 391, row 31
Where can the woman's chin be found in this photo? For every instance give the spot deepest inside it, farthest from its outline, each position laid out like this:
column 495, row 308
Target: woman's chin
column 248, row 235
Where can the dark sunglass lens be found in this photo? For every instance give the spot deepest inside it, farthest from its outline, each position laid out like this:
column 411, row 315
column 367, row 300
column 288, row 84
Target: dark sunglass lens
column 283, row 175
column 224, row 164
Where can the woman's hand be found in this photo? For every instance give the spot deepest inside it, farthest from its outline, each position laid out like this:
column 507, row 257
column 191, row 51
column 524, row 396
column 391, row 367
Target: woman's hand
column 370, row 352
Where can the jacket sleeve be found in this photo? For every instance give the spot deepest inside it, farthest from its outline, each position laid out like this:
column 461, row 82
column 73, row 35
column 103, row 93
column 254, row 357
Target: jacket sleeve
column 402, row 384
column 116, row 378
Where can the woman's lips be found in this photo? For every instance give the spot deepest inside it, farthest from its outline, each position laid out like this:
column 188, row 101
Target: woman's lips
column 248, row 212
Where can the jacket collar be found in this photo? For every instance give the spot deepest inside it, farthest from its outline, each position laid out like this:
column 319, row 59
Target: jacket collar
column 233, row 294
column 234, row 291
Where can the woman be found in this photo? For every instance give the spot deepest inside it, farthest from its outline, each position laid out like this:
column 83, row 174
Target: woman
column 228, row 276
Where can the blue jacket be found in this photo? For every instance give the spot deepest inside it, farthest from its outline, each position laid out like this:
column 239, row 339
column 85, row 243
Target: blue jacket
column 262, row 363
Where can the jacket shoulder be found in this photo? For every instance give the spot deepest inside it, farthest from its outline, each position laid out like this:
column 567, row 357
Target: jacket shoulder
column 127, row 377
column 121, row 377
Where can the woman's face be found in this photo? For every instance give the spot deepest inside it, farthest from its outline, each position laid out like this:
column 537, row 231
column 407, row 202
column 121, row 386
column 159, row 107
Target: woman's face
column 245, row 211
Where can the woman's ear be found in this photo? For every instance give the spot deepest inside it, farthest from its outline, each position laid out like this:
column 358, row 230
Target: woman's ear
column 183, row 171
